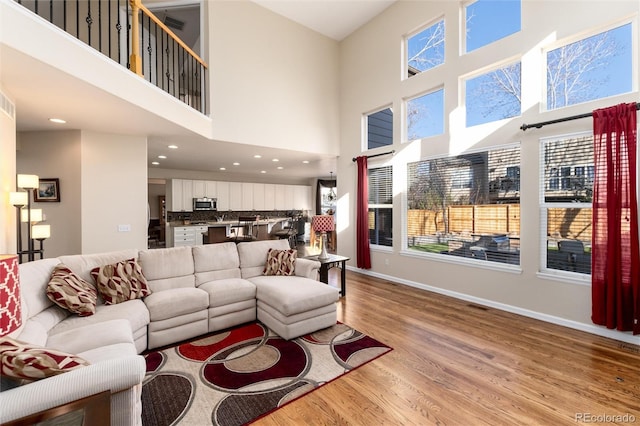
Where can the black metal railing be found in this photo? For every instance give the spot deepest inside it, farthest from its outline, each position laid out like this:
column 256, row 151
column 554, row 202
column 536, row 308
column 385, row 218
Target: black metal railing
column 142, row 44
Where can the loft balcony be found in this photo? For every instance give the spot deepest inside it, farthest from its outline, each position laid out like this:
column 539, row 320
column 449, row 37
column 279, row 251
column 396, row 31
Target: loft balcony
column 131, row 35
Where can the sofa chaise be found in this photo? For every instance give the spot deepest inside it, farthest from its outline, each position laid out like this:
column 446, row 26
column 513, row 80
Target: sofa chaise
column 193, row 291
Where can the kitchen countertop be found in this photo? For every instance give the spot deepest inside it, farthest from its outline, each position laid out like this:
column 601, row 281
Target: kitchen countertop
column 214, row 223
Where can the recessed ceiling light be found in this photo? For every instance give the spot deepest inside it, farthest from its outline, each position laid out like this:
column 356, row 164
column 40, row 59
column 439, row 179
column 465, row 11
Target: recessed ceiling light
column 155, row 163
column 173, row 147
column 57, row 120
column 257, row 156
column 223, row 168
column 263, row 171
column 305, row 161
column 275, row 160
column 162, row 156
column 280, row 167
column 236, row 164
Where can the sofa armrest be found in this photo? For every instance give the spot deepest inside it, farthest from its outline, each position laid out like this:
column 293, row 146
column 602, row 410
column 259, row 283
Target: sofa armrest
column 307, row 268
column 113, row 375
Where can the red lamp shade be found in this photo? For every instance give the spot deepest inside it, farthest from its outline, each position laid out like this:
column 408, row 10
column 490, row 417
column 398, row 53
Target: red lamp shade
column 10, row 307
column 323, row 223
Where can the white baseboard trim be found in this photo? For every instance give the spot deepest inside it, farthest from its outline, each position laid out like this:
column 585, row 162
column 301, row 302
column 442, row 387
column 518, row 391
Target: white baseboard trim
column 626, row 337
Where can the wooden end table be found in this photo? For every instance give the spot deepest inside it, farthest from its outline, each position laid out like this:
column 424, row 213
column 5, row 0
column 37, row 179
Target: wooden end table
column 333, row 261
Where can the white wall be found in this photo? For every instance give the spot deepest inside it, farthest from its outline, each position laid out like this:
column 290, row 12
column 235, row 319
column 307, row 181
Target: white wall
column 113, row 192
column 273, row 82
column 56, row 155
column 7, row 180
column 376, row 48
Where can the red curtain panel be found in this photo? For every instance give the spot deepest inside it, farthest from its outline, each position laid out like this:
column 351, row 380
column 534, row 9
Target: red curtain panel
column 363, row 254
column 615, row 258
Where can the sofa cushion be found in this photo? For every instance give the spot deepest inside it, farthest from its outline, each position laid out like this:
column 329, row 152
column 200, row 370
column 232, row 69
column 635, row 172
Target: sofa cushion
column 168, row 268
column 176, row 302
column 93, row 336
column 232, row 290
column 121, row 281
column 70, row 292
column 253, row 255
column 280, row 262
column 25, row 361
column 215, row 262
column 34, row 277
column 294, row 295
column 82, row 264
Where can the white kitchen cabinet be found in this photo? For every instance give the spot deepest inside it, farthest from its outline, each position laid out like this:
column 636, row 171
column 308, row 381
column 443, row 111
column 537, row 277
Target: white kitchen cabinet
column 247, row 196
column 179, row 197
column 258, row 196
column 302, row 197
column 184, row 236
column 289, row 202
column 223, row 196
column 269, row 196
column 235, row 196
column 211, row 189
column 198, row 231
column 199, row 189
column 279, row 197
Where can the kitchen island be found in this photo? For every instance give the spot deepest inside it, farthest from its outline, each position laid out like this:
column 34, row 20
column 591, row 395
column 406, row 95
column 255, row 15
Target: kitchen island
column 197, row 233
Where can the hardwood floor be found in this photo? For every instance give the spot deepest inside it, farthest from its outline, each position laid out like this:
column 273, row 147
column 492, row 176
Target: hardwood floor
column 455, row 363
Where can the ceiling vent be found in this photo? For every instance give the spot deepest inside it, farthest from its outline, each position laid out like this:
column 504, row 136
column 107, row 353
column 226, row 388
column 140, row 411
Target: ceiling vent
column 174, row 23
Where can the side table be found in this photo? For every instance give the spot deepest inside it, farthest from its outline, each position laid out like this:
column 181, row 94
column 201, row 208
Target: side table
column 333, row 261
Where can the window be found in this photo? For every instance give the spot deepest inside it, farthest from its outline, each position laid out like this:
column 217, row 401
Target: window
column 493, row 96
column 466, row 206
column 425, row 49
column 380, row 128
column 592, row 68
column 566, row 204
column 490, row 20
column 425, row 115
column 381, row 206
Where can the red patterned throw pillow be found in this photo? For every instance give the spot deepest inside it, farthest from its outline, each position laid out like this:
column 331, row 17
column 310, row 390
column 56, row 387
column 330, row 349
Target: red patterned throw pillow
column 71, row 292
column 121, row 281
column 26, row 361
column 280, row 262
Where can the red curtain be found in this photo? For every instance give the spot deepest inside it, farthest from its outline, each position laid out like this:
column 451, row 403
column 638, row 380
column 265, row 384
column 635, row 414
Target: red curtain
column 615, row 258
column 363, row 254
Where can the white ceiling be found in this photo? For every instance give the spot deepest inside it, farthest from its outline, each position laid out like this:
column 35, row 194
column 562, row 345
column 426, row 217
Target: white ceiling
column 39, row 89
column 334, row 18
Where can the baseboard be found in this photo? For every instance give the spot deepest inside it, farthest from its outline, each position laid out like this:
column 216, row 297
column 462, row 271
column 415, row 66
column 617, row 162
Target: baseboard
column 626, row 337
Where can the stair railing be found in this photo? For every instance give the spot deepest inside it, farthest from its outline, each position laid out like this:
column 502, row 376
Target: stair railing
column 146, row 46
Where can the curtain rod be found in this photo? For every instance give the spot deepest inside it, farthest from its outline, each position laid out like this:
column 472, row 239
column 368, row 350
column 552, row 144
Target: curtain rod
column 560, row 120
column 354, row 159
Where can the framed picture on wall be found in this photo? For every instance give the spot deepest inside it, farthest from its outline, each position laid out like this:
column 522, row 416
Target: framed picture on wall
column 47, row 190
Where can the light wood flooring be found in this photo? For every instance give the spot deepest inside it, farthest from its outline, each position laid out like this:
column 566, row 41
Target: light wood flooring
column 456, row 363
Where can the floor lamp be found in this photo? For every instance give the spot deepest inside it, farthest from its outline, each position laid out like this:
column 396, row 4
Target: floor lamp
column 21, row 199
column 323, row 224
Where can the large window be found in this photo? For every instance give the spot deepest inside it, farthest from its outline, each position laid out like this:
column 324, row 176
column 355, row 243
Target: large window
column 466, row 206
column 566, row 190
column 425, row 115
column 487, row 21
column 493, row 96
column 380, row 128
column 381, row 206
column 592, row 68
column 425, row 49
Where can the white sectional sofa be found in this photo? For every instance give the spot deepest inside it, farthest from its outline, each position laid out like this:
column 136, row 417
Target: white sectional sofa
column 194, row 290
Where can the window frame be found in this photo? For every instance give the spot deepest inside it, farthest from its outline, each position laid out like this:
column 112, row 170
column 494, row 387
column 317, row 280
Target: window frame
column 544, row 206
column 378, row 206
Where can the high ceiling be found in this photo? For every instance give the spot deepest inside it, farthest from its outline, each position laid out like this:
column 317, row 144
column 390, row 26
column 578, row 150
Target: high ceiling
column 36, row 97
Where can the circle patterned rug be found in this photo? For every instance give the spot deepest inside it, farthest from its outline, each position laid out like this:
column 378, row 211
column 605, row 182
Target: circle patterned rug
column 239, row 375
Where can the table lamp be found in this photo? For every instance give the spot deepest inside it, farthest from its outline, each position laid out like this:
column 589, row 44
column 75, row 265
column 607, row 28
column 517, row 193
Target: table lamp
column 323, row 224
column 10, row 304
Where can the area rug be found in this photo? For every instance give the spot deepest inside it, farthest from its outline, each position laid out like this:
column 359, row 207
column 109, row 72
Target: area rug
column 237, row 376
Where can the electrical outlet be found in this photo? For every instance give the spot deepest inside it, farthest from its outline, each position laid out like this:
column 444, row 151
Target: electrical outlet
column 124, row 228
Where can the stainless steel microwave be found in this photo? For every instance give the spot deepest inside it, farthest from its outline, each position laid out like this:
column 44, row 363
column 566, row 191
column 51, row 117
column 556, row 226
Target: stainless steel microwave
column 209, row 204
